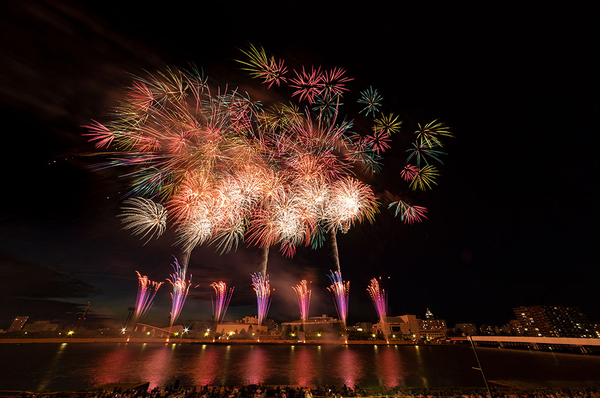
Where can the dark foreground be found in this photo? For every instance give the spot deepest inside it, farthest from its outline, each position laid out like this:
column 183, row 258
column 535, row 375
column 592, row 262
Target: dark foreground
column 140, row 390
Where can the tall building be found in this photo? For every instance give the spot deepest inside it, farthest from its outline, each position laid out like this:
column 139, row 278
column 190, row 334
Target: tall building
column 553, row 321
column 431, row 328
column 17, row 323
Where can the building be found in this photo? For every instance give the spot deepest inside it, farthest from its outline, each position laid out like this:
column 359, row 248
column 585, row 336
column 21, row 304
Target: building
column 40, row 326
column 512, row 328
column 431, row 328
column 398, row 327
column 315, row 324
column 17, row 323
column 554, row 321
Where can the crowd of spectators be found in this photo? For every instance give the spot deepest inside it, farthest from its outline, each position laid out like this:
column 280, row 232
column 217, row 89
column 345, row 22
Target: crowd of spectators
column 255, row 391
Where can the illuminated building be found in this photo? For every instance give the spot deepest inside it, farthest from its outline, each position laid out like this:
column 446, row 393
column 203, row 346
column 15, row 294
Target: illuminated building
column 431, row 328
column 405, row 326
column 17, row 323
column 315, row 324
column 554, row 321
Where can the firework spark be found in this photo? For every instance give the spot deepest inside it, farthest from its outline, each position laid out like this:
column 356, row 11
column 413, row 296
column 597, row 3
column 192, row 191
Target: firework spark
column 379, row 299
column 181, row 288
column 221, row 300
column 303, row 294
column 147, row 289
column 262, row 287
column 340, row 291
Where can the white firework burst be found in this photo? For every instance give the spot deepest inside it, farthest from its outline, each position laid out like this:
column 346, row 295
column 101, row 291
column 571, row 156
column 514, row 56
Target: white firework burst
column 144, row 217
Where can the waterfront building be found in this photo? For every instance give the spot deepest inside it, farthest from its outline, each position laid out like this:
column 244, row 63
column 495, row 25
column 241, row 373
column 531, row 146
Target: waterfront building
column 17, row 323
column 431, row 328
column 554, row 321
column 315, row 324
column 398, row 327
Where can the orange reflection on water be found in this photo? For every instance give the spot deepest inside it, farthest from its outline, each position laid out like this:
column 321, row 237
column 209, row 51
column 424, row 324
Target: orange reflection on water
column 207, row 367
column 303, row 366
column 254, row 366
column 389, row 366
column 350, row 370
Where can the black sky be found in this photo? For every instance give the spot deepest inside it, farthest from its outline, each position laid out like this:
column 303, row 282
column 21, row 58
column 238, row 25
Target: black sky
column 513, row 221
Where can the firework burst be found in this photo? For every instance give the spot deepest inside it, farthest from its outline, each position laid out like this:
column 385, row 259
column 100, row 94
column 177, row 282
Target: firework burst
column 262, row 288
column 303, row 295
column 181, row 287
column 379, row 299
column 341, row 291
column 409, row 214
column 147, row 290
column 144, row 217
column 372, row 101
column 221, row 300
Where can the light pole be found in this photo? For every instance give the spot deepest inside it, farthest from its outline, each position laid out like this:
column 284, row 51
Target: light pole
column 480, row 368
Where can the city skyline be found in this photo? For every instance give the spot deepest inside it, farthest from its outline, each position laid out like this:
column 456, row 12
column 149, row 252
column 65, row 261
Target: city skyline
column 511, row 222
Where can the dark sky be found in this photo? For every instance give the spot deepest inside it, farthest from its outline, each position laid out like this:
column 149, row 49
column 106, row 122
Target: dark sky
column 513, row 221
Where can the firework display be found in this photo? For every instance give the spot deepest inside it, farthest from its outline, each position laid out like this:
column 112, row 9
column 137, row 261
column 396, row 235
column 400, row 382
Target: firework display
column 223, row 169
column 147, row 290
column 340, row 290
column 221, row 300
column 303, row 295
column 181, row 287
column 379, row 299
column 262, row 287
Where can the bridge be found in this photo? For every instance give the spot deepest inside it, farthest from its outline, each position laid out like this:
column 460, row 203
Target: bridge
column 536, row 342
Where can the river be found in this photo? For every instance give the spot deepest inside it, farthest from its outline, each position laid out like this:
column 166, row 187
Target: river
column 74, row 366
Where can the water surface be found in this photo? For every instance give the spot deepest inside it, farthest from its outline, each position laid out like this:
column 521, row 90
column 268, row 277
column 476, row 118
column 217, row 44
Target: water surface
column 42, row 367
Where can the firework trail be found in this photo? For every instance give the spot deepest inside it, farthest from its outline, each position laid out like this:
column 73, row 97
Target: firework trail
column 303, row 295
column 379, row 299
column 181, row 288
column 147, row 290
column 341, row 292
column 221, row 300
column 262, row 288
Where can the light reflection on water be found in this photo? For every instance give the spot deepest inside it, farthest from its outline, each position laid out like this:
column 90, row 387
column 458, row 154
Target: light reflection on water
column 79, row 366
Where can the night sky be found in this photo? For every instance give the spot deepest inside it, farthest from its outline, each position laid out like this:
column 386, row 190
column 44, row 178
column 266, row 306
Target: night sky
column 513, row 221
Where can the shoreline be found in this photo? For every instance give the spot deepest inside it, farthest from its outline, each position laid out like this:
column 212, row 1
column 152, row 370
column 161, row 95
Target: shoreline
column 194, row 341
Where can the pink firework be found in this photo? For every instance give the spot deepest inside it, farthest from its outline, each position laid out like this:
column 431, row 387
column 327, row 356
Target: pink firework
column 146, row 292
column 333, row 82
column 262, row 287
column 379, row 141
column 221, row 300
column 308, row 84
column 303, row 295
column 409, row 172
column 181, row 288
column 408, row 213
column 379, row 299
column 341, row 291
